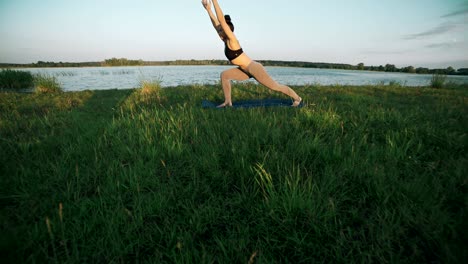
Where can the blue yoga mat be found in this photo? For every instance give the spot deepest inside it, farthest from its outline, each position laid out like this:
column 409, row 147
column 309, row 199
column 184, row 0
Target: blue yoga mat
column 254, row 103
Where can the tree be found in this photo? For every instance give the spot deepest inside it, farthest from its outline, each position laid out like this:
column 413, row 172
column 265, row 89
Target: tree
column 450, row 70
column 360, row 66
column 409, row 69
column 122, row 62
column 462, row 71
column 390, row 68
column 421, row 70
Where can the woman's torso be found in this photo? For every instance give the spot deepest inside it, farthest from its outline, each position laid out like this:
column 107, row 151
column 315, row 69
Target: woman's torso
column 242, row 60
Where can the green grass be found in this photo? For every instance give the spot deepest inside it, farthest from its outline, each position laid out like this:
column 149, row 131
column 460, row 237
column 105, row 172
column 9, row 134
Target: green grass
column 46, row 84
column 15, row 79
column 373, row 174
column 438, row 80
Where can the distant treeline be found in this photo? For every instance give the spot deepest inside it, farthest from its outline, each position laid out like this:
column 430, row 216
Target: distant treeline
column 322, row 65
column 362, row 67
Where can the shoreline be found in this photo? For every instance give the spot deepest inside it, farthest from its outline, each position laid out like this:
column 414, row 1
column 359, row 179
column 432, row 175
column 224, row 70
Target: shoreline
column 275, row 63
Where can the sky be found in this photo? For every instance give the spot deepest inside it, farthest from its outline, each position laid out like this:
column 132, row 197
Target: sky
column 420, row 33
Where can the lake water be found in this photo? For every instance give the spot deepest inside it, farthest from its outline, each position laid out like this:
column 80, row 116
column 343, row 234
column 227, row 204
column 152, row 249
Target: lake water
column 101, row 78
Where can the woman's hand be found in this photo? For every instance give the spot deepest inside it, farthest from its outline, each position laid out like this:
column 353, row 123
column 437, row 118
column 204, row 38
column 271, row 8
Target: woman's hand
column 206, row 4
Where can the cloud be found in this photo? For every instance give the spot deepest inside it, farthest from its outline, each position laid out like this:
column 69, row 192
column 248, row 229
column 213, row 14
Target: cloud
column 441, row 29
column 454, row 45
column 388, row 52
column 456, row 13
column 440, row 45
column 463, row 11
column 453, row 22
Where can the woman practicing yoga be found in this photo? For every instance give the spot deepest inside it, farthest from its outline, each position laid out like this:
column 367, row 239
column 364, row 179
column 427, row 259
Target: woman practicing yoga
column 248, row 68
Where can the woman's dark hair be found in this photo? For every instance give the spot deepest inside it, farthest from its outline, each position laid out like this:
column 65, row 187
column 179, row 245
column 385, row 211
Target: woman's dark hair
column 229, row 22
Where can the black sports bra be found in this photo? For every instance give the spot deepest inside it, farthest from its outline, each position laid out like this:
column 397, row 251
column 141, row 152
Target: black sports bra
column 232, row 54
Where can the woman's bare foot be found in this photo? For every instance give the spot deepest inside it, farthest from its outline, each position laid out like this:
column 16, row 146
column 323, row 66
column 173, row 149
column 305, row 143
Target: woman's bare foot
column 224, row 105
column 297, row 102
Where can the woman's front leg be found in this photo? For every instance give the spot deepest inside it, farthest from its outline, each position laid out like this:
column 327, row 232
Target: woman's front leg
column 226, row 77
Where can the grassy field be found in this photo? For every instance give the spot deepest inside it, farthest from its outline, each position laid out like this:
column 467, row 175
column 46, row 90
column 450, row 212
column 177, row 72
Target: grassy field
column 373, row 174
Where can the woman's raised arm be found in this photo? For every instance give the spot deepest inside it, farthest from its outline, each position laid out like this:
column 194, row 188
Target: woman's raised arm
column 214, row 20
column 222, row 20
